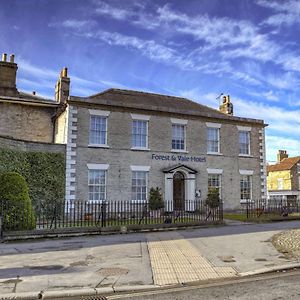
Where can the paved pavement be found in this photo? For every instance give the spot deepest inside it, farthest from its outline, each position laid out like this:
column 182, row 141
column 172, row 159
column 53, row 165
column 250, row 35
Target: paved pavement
column 143, row 260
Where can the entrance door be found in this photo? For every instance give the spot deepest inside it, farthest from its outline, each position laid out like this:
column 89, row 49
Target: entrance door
column 178, row 191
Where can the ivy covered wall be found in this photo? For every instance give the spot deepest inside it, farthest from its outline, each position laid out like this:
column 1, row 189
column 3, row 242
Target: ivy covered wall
column 43, row 171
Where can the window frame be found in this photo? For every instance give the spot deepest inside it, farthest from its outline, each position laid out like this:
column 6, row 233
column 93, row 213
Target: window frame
column 97, row 185
column 219, row 175
column 218, row 140
column 133, row 147
column 101, row 114
column 184, row 138
column 244, row 130
column 134, row 198
column 242, row 199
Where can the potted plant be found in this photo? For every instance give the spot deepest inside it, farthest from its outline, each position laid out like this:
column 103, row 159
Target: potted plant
column 213, row 200
column 156, row 202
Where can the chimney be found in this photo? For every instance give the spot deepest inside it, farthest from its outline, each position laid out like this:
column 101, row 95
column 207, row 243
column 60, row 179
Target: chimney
column 281, row 155
column 62, row 87
column 8, row 73
column 226, row 107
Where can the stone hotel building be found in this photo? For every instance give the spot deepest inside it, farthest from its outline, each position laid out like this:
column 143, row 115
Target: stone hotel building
column 120, row 143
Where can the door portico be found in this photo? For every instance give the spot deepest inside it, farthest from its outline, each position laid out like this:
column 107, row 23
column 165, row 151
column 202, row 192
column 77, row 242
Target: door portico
column 180, row 187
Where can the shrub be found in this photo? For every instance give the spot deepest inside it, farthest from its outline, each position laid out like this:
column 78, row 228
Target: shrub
column 213, row 198
column 15, row 203
column 43, row 172
column 155, row 199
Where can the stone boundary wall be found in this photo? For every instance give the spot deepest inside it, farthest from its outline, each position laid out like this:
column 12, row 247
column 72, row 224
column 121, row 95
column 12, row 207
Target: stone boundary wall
column 7, row 142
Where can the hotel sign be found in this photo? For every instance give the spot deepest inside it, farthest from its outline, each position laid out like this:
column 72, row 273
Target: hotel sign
column 179, row 158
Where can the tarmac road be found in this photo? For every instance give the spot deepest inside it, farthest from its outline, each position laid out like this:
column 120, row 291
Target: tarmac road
column 283, row 285
column 117, row 261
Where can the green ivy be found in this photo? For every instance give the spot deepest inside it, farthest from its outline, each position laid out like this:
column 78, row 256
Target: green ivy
column 44, row 173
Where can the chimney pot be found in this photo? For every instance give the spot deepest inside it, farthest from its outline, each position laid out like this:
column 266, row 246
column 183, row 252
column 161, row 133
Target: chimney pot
column 282, row 154
column 12, row 58
column 65, row 72
column 34, row 93
column 4, row 57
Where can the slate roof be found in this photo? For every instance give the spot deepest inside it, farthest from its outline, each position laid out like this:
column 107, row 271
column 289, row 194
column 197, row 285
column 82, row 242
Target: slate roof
column 156, row 102
column 26, row 98
column 285, row 164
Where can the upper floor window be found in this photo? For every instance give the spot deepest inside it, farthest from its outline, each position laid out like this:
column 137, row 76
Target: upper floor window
column 98, row 127
column 244, row 142
column 178, row 137
column 213, row 140
column 98, row 130
column 280, row 183
column 139, row 134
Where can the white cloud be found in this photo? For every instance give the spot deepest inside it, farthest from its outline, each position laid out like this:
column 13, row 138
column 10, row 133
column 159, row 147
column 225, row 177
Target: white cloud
column 275, row 143
column 103, row 8
column 74, row 24
column 288, row 12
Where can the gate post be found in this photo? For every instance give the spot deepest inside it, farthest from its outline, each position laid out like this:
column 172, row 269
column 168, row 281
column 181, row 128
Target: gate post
column 103, row 214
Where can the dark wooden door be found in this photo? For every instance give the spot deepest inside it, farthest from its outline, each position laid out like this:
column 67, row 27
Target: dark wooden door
column 178, row 191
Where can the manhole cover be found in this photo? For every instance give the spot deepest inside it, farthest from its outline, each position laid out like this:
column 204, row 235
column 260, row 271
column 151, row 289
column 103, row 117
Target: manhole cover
column 113, row 271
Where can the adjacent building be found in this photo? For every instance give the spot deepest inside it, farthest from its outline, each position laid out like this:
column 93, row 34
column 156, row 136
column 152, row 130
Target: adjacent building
column 283, row 179
column 120, row 143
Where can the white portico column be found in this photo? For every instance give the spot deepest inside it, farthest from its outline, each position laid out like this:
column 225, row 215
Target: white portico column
column 169, row 191
column 190, row 192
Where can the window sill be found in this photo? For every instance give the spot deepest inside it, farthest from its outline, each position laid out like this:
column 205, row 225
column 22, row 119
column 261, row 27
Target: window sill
column 245, row 201
column 214, row 153
column 179, row 151
column 140, row 149
column 245, row 155
column 96, row 201
column 97, row 146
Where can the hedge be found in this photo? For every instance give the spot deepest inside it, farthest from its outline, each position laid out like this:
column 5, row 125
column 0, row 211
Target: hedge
column 43, row 172
column 15, row 203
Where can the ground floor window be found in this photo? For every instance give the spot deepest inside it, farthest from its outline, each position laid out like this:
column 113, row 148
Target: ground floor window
column 97, row 185
column 214, row 181
column 139, row 185
column 245, row 184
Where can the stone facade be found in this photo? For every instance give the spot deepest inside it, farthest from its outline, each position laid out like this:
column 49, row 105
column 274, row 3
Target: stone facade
column 28, row 116
column 119, row 159
column 27, row 146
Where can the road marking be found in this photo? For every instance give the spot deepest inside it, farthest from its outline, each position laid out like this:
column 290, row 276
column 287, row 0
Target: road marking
column 175, row 260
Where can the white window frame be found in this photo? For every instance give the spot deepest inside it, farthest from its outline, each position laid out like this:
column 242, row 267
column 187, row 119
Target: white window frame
column 218, row 140
column 99, row 113
column 98, row 167
column 219, row 174
column 145, row 119
column 140, row 169
column 183, row 124
column 248, row 130
column 243, row 201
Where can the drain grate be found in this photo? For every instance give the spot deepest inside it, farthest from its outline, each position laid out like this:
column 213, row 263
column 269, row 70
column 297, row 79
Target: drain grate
column 95, row 298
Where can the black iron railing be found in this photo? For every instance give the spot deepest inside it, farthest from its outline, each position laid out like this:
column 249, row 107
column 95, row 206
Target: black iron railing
column 105, row 214
column 276, row 207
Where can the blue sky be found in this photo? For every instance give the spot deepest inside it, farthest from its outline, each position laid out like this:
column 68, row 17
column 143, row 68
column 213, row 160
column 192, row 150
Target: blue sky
column 196, row 49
